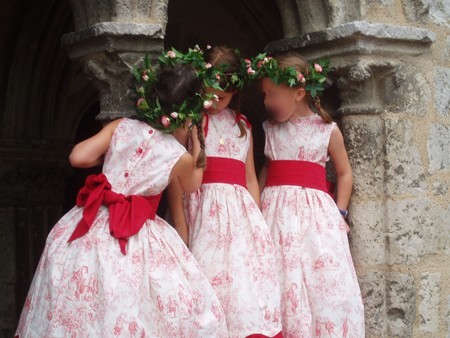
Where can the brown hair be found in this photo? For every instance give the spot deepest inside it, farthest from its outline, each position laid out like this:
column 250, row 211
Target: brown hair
column 293, row 59
column 201, row 159
column 228, row 59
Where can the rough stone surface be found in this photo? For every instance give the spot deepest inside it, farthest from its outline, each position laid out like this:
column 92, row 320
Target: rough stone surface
column 404, row 170
column 410, row 92
column 392, row 39
column 368, row 233
column 400, row 304
column 364, row 142
column 416, row 227
column 435, row 11
column 442, row 87
column 438, row 147
column 448, row 317
column 373, row 290
column 429, row 295
column 447, row 48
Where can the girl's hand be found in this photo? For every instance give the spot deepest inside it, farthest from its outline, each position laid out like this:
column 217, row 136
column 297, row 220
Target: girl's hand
column 347, row 227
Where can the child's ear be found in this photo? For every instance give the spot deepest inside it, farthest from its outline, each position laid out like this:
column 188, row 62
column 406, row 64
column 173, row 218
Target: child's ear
column 300, row 94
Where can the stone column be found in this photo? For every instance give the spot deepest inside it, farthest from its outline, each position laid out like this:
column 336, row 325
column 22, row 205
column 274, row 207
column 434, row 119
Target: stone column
column 382, row 95
column 110, row 37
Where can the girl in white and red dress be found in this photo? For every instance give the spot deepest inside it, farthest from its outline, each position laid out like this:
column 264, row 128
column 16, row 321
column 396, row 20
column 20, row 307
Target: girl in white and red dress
column 319, row 289
column 110, row 267
column 227, row 232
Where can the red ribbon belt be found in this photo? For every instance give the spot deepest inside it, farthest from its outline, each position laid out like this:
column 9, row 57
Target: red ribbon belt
column 239, row 117
column 299, row 173
column 225, row 170
column 127, row 214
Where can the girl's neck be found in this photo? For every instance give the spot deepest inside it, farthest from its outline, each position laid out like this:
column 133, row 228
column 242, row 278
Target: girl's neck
column 303, row 112
column 217, row 112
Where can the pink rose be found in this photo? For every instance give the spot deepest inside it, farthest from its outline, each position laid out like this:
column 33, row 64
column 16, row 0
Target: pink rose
column 165, row 121
column 250, row 71
column 139, row 102
column 171, row 54
column 248, row 62
column 145, row 77
column 207, row 104
column 300, row 77
column 208, row 65
column 174, row 115
column 208, row 47
column 318, row 68
column 217, row 76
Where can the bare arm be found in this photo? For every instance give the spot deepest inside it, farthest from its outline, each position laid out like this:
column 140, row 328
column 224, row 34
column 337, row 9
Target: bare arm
column 176, row 208
column 252, row 182
column 189, row 176
column 89, row 153
column 343, row 169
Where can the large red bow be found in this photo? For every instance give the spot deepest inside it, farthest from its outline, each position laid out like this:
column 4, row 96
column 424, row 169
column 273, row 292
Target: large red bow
column 127, row 215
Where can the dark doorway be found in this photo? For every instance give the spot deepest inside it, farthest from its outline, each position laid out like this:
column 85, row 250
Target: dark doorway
column 248, row 25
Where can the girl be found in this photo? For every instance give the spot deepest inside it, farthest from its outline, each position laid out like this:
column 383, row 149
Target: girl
column 319, row 289
column 227, row 232
column 110, row 266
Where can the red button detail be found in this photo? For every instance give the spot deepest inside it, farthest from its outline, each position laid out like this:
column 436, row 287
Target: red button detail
column 126, row 175
column 140, row 150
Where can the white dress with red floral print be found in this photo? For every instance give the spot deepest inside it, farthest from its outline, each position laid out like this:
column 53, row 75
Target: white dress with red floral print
column 231, row 241
column 319, row 288
column 88, row 288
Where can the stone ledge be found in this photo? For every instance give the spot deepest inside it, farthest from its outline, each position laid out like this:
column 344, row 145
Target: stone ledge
column 113, row 37
column 113, row 29
column 358, row 37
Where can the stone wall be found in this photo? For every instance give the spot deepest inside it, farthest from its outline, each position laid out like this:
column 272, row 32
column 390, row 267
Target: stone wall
column 416, row 161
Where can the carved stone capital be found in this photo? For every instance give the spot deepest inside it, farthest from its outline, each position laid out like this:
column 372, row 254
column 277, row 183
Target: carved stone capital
column 366, row 60
column 108, row 52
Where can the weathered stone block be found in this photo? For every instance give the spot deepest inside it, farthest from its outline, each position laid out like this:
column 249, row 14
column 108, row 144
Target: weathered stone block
column 400, row 301
column 438, row 148
column 435, row 11
column 447, row 47
column 364, row 142
column 415, row 228
column 404, row 170
column 368, row 234
column 428, row 309
column 373, row 290
column 410, row 94
column 442, row 89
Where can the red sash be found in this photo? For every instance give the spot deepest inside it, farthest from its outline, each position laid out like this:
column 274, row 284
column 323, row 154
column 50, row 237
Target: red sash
column 224, row 170
column 127, row 214
column 298, row 173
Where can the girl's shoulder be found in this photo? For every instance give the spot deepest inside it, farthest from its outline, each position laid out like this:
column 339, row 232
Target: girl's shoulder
column 241, row 118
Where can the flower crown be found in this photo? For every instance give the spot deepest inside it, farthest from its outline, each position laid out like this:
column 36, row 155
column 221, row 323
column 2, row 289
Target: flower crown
column 190, row 109
column 313, row 81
